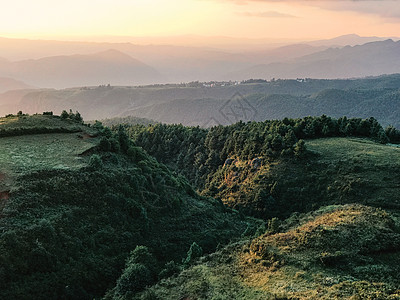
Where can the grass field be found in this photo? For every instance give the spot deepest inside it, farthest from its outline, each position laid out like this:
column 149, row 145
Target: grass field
column 361, row 165
column 363, row 151
column 28, row 153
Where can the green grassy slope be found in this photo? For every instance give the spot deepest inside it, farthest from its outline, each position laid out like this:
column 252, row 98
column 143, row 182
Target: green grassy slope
column 22, row 151
column 24, row 124
column 333, row 209
column 22, row 154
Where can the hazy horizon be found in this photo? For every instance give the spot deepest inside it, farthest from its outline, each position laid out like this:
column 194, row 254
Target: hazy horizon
column 50, row 44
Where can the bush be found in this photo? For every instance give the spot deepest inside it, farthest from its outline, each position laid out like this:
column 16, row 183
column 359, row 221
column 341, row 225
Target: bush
column 300, row 148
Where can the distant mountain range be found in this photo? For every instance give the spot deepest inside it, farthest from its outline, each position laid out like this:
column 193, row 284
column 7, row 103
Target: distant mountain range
column 104, row 83
column 349, row 40
column 59, row 64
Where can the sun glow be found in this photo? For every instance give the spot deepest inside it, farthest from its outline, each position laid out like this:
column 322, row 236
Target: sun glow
column 254, row 19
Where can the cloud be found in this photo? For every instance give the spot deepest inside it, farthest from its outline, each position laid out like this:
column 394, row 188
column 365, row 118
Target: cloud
column 388, row 10
column 267, row 14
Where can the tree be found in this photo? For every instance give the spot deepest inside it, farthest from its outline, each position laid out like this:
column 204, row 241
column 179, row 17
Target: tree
column 78, row 117
column 139, row 272
column 64, row 115
column 300, row 148
column 123, row 139
column 382, row 137
column 393, row 134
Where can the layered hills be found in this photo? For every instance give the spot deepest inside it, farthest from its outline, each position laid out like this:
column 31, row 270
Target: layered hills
column 55, row 62
column 214, row 103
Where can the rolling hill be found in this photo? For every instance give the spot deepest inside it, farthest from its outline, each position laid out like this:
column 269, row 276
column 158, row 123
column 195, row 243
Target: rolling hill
column 384, row 105
column 337, row 252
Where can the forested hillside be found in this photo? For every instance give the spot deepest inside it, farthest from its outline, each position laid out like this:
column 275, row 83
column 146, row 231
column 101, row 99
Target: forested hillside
column 72, row 212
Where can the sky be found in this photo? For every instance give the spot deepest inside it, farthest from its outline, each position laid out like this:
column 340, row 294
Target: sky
column 256, row 19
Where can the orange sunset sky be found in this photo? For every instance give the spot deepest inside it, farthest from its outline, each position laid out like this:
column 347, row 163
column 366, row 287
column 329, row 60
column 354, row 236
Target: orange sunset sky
column 235, row 18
